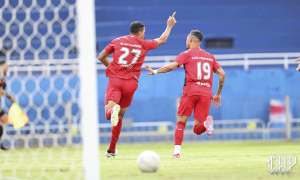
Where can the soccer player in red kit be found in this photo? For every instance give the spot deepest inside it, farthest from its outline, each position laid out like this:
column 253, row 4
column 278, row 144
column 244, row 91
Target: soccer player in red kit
column 199, row 66
column 298, row 68
column 128, row 56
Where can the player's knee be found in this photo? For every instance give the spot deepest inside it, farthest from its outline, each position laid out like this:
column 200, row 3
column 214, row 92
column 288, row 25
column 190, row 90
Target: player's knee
column 197, row 130
column 182, row 119
column 198, row 133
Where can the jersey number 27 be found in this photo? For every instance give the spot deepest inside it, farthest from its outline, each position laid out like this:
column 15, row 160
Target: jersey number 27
column 206, row 68
column 137, row 53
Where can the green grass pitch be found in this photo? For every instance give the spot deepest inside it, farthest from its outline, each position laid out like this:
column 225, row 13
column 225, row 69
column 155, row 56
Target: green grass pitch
column 214, row 160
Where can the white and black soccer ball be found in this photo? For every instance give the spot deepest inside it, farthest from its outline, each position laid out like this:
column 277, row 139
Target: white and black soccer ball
column 148, row 161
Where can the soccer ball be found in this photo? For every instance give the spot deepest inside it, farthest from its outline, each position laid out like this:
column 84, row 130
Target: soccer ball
column 148, row 161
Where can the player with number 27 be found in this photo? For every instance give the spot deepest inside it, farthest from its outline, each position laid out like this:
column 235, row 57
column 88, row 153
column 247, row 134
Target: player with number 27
column 128, row 57
column 199, row 66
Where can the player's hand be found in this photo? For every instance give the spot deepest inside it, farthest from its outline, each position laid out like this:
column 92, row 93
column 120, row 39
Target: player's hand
column 148, row 68
column 12, row 100
column 171, row 21
column 217, row 101
column 296, row 60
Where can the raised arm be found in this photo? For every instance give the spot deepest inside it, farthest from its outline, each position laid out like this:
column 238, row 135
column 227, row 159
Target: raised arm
column 103, row 57
column 298, row 68
column 163, row 38
column 217, row 97
column 164, row 69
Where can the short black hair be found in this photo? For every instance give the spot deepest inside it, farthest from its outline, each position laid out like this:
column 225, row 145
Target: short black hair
column 136, row 26
column 197, row 34
column 2, row 62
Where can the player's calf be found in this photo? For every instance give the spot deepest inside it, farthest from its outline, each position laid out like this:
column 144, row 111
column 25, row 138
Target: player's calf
column 178, row 137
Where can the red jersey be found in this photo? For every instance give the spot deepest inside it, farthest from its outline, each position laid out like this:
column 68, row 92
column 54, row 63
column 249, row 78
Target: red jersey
column 128, row 56
column 199, row 66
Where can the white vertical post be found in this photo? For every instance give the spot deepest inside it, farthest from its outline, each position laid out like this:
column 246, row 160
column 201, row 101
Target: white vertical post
column 68, row 112
column 246, row 63
column 286, row 62
column 88, row 93
column 287, row 113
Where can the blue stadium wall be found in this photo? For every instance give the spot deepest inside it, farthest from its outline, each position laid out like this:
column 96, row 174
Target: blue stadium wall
column 246, row 95
column 256, row 26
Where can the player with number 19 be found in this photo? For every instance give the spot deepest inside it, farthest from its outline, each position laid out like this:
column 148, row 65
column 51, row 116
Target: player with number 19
column 199, row 66
column 128, row 57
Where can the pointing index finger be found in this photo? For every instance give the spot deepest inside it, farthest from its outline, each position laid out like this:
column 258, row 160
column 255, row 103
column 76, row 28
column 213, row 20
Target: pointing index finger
column 173, row 14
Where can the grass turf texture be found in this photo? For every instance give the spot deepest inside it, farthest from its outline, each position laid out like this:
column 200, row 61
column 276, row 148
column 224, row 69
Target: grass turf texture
column 218, row 160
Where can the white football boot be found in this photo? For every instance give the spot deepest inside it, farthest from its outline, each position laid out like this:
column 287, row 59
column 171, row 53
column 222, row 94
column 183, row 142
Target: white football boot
column 115, row 115
column 109, row 154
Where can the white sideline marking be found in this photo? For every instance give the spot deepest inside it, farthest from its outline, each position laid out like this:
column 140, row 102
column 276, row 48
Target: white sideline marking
column 10, row 178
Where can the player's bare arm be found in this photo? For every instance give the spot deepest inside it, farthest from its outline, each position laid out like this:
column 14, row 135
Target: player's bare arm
column 297, row 60
column 217, row 97
column 4, row 93
column 170, row 23
column 103, row 57
column 164, row 69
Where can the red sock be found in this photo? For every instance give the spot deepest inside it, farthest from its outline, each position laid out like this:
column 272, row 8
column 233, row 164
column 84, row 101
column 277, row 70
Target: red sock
column 108, row 113
column 199, row 129
column 115, row 133
column 179, row 132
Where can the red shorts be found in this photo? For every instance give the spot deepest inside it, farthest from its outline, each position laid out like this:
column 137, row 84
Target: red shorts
column 200, row 105
column 121, row 91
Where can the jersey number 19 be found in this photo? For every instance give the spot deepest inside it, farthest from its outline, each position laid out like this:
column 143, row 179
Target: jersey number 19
column 206, row 68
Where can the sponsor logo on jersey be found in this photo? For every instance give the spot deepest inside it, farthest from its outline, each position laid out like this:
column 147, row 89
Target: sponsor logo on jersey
column 203, row 84
column 203, row 58
column 131, row 45
column 127, row 65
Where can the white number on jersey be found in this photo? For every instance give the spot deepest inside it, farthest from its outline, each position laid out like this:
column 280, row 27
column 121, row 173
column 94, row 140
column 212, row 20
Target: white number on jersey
column 206, row 68
column 137, row 53
column 126, row 52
